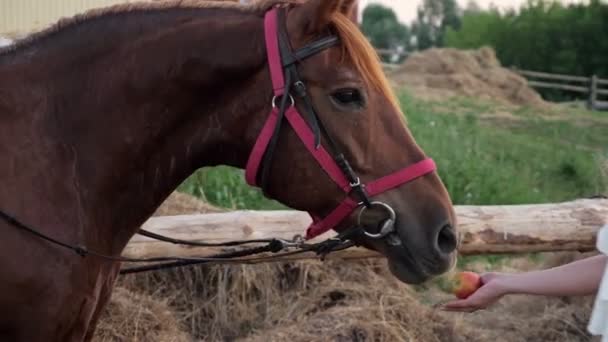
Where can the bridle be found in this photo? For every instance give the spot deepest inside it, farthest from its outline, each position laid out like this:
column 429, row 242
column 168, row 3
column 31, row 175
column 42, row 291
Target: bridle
column 289, row 90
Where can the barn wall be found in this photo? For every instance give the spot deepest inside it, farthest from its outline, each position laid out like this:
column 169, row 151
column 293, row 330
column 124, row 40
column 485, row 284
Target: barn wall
column 23, row 16
column 19, row 17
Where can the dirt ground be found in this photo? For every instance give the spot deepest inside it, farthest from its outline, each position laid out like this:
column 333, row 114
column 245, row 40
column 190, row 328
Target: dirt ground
column 331, row 301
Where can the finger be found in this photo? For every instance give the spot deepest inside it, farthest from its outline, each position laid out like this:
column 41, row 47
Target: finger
column 460, row 309
column 458, row 304
column 461, row 305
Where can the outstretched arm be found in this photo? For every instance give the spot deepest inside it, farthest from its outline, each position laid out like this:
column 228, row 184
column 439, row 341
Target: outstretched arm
column 577, row 278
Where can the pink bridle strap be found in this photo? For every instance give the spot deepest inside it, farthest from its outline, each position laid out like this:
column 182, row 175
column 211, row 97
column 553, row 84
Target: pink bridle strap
column 278, row 86
column 306, row 135
column 373, row 188
column 293, row 116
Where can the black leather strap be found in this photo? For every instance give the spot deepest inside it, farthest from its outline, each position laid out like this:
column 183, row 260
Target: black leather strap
column 310, row 50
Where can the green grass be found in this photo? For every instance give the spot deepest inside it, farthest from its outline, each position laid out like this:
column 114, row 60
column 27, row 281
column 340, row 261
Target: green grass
column 226, row 187
column 527, row 162
column 532, row 160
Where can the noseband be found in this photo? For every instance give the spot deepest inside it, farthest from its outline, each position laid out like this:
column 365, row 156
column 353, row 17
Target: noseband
column 290, row 90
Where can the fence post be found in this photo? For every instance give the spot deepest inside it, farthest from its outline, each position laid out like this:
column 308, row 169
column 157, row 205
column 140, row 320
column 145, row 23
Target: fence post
column 592, row 92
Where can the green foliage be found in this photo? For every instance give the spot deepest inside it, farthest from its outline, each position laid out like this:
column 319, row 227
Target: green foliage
column 434, row 17
column 476, row 30
column 533, row 161
column 383, row 29
column 225, row 187
column 543, row 36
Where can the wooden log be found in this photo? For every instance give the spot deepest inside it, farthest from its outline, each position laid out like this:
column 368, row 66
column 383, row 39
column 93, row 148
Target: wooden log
column 568, row 226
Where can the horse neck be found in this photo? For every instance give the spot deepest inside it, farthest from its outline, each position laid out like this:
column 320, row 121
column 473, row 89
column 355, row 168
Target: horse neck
column 133, row 122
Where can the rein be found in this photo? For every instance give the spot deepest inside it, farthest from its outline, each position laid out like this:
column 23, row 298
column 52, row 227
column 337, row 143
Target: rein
column 340, row 242
column 286, row 84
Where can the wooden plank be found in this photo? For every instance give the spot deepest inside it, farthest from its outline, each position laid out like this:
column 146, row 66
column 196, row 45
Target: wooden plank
column 592, row 92
column 483, row 229
column 601, row 91
column 552, row 76
column 558, row 86
column 391, row 52
column 601, row 105
column 602, row 81
column 389, row 66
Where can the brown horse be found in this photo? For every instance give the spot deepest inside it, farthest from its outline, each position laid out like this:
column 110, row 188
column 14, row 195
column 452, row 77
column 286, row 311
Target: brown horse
column 104, row 115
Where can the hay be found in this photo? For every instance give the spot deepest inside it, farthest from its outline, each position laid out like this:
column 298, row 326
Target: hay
column 443, row 73
column 331, row 301
column 136, row 317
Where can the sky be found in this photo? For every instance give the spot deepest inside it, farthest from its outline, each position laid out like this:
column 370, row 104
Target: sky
column 406, row 9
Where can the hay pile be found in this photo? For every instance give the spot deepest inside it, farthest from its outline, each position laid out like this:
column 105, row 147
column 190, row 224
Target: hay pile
column 133, row 316
column 315, row 301
column 442, row 73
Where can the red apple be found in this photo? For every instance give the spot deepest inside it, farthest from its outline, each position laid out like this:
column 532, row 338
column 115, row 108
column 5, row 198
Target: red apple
column 465, row 284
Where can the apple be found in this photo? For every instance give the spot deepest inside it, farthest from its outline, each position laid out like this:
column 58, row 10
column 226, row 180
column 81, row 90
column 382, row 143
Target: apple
column 464, row 284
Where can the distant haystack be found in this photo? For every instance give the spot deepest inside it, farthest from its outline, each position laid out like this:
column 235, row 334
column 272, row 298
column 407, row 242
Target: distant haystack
column 474, row 73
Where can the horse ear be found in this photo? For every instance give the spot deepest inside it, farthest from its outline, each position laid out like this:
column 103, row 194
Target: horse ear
column 313, row 16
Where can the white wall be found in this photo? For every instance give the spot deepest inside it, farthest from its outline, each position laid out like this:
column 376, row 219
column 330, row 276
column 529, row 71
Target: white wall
column 24, row 16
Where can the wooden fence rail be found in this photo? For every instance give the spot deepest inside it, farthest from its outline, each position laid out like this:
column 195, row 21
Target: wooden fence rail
column 560, row 77
column 592, row 86
column 391, row 52
column 578, row 89
column 564, row 226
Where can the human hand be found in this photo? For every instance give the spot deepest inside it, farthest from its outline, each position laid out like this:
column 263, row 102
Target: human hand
column 492, row 289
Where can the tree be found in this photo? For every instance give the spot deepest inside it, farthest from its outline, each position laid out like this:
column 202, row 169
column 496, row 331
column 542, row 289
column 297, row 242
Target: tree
column 383, row 29
column 433, row 19
column 541, row 36
column 472, row 7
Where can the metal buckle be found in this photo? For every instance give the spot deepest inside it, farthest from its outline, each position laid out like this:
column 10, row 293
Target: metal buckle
column 274, row 101
column 300, row 88
column 297, row 242
column 387, row 228
column 356, row 184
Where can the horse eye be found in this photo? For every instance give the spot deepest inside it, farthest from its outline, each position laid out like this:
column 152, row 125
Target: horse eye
column 348, row 97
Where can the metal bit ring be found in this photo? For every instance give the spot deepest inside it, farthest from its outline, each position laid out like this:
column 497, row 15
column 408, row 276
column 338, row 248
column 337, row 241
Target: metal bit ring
column 387, row 228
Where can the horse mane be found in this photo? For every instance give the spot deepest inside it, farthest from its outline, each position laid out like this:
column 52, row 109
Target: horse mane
column 355, row 45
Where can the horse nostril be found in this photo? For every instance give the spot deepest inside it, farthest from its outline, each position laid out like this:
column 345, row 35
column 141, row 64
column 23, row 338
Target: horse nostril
column 446, row 240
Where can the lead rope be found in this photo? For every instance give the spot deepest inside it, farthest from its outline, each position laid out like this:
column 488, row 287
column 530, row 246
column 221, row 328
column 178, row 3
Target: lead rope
column 322, row 249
